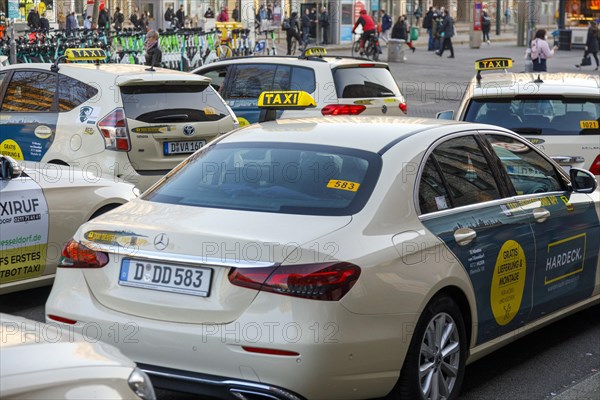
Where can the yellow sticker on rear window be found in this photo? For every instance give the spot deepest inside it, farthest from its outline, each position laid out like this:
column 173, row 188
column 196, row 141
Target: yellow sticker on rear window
column 209, row 111
column 588, row 124
column 343, row 185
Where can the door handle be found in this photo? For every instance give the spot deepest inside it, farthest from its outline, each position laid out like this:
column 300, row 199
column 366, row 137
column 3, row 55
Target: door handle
column 464, row 236
column 541, row 214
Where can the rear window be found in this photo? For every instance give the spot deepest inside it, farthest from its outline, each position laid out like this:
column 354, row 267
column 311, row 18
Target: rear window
column 248, row 81
column 361, row 82
column 172, row 103
column 539, row 115
column 274, row 177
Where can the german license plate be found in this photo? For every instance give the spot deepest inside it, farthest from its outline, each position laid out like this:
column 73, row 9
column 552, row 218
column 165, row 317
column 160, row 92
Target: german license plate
column 165, row 277
column 183, row 147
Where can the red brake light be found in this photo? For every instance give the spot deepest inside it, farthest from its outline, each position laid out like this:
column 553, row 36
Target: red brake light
column 403, row 107
column 114, row 131
column 326, row 281
column 343, row 109
column 76, row 255
column 366, row 65
column 595, row 167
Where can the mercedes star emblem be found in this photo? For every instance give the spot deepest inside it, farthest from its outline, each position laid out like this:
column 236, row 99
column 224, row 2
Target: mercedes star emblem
column 161, row 241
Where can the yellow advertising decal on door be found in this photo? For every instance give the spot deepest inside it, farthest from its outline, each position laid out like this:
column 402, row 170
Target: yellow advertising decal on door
column 508, row 282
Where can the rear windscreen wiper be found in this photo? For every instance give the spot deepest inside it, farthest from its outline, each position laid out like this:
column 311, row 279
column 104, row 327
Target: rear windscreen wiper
column 531, row 131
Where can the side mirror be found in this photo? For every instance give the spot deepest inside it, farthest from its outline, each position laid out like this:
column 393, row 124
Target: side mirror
column 582, row 181
column 10, row 169
column 448, row 114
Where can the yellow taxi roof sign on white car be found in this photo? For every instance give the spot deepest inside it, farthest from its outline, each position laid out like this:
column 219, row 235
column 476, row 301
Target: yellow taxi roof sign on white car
column 314, row 52
column 94, row 54
column 492, row 64
column 269, row 102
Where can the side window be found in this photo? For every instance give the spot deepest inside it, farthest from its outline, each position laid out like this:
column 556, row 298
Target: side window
column 302, row 79
column 2, row 77
column 217, row 75
column 528, row 171
column 72, row 93
column 466, row 171
column 432, row 192
column 30, row 91
column 250, row 80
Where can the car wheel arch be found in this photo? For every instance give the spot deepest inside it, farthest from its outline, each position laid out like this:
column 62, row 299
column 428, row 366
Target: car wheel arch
column 104, row 209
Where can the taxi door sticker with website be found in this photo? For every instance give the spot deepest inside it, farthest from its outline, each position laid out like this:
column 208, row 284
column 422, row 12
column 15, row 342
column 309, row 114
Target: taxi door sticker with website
column 24, row 227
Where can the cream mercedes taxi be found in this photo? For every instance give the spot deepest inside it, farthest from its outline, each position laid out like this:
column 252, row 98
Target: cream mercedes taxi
column 125, row 121
column 41, row 206
column 558, row 112
column 306, row 259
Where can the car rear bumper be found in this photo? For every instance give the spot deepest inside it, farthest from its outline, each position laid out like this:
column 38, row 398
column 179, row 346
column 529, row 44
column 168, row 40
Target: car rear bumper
column 215, row 386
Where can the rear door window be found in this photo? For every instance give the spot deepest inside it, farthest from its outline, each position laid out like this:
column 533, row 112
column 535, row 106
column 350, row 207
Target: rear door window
column 173, row 103
column 72, row 93
column 30, row 91
column 359, row 82
column 248, row 81
column 533, row 115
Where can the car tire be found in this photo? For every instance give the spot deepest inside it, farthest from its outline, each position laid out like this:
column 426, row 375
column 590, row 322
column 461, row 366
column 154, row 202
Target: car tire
column 429, row 373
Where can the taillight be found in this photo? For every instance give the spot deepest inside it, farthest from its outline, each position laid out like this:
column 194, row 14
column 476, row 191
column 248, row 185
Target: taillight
column 595, row 167
column 403, row 107
column 114, row 131
column 343, row 109
column 76, row 255
column 323, row 281
column 62, row 319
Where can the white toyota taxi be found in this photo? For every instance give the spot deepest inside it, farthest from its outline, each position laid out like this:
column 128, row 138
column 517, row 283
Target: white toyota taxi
column 112, row 119
column 306, row 259
column 558, row 112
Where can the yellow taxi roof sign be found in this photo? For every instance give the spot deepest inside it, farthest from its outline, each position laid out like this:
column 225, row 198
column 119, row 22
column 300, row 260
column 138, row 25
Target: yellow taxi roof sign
column 85, row 54
column 314, row 52
column 292, row 99
column 495, row 63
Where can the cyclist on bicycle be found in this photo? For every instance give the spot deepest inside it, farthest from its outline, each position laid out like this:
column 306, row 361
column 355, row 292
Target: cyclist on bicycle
column 368, row 27
column 293, row 33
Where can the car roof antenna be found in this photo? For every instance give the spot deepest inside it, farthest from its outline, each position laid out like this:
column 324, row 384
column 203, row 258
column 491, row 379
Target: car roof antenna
column 538, row 80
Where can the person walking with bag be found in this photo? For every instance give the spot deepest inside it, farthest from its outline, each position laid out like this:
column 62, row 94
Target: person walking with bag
column 592, row 45
column 540, row 51
column 293, row 33
column 386, row 26
column 400, row 31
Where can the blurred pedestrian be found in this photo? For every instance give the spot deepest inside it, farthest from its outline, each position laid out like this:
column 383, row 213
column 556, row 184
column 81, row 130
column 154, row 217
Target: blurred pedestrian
column 486, row 25
column 428, row 24
column 592, row 44
column 209, row 13
column 305, row 23
column 103, row 18
column 400, row 32
column 153, row 52
column 33, row 18
column 293, row 33
column 447, row 31
column 540, row 51
column 118, row 19
column 134, row 18
column 169, row 14
column 418, row 13
column 324, row 23
column 235, row 14
column 44, row 23
column 507, row 16
column 72, row 23
column 180, row 14
column 223, row 15
column 87, row 23
column 386, row 25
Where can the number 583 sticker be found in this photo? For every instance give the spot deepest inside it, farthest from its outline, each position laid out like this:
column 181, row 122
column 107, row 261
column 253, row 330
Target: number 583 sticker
column 343, row 185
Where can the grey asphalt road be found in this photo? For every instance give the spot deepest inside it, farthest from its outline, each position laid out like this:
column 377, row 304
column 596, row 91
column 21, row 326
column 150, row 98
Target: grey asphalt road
column 539, row 366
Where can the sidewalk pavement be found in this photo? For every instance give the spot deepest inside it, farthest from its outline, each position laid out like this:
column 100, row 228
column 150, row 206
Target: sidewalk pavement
column 588, row 389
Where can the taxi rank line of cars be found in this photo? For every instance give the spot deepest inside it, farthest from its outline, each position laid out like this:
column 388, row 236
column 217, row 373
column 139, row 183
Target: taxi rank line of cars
column 464, row 232
column 158, row 286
